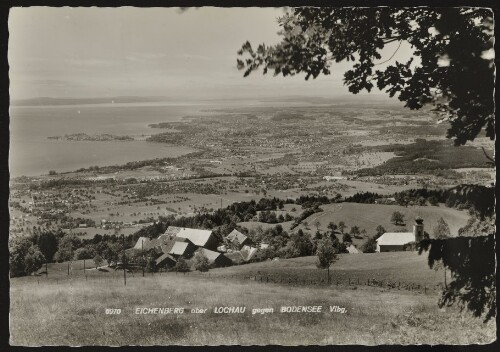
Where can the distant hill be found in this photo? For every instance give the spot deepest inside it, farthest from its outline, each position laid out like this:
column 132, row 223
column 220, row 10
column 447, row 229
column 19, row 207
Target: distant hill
column 343, row 99
column 83, row 101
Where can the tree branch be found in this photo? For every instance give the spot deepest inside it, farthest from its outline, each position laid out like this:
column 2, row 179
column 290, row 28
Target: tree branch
column 389, row 59
column 491, row 160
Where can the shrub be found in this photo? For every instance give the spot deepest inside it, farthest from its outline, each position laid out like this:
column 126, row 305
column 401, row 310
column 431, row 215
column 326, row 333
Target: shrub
column 201, row 262
column 182, row 265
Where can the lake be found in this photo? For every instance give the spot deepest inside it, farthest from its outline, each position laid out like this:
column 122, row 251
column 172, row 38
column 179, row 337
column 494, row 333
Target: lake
column 31, row 153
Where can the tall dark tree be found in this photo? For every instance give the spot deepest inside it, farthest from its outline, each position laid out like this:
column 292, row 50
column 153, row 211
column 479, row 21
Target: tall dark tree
column 450, row 68
column 47, row 243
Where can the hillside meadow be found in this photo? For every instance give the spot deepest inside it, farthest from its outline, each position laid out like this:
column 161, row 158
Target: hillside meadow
column 396, row 267
column 369, row 216
column 63, row 309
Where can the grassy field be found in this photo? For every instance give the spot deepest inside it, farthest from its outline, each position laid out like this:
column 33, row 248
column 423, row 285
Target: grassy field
column 402, row 267
column 369, row 216
column 73, row 312
column 66, row 309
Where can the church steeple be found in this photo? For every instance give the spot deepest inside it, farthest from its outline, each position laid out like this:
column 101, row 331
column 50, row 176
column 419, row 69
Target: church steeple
column 418, row 229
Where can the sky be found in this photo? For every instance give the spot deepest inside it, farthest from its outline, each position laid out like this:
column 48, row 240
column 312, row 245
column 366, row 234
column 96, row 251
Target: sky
column 107, row 52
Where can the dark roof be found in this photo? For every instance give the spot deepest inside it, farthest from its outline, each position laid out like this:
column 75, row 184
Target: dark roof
column 165, row 257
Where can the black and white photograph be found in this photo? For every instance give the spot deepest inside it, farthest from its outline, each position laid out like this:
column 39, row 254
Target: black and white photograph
column 293, row 176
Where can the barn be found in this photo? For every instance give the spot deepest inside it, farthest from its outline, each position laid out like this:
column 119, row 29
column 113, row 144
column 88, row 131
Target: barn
column 183, row 242
column 215, row 258
column 165, row 260
column 182, row 249
column 200, row 238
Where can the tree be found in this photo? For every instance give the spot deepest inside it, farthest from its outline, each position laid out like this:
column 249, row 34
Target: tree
column 300, row 244
column 442, row 230
column 181, row 265
column 342, row 226
column 112, row 252
column 18, row 249
column 472, row 261
column 370, row 245
column 354, row 231
column 317, row 224
column 433, row 201
column 34, row 260
column 326, row 255
column 201, row 262
column 458, row 83
column 379, row 231
column 47, row 242
column 339, row 247
column 397, row 218
column 67, row 245
column 98, row 261
column 346, row 238
column 332, row 226
column 82, row 253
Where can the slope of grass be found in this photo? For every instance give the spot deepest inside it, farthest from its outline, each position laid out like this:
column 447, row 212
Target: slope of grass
column 369, row 216
column 73, row 312
column 403, row 267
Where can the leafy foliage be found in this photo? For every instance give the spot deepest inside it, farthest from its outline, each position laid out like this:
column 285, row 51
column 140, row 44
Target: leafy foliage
column 201, row 262
column 370, row 245
column 98, row 260
column 83, row 253
column 19, row 249
column 182, row 265
column 34, row 260
column 472, row 263
column 458, row 82
column 441, row 230
column 397, row 218
column 326, row 253
column 380, row 230
column 476, row 198
column 47, row 242
column 363, row 197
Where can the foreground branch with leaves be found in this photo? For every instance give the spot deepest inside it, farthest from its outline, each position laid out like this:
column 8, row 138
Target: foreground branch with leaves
column 451, row 67
column 471, row 261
